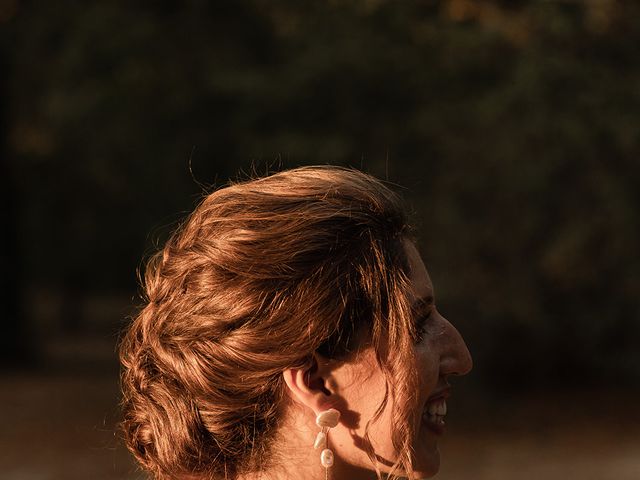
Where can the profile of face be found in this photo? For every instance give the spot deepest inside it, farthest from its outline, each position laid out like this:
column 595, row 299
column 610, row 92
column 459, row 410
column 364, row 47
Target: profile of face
column 357, row 388
column 235, row 352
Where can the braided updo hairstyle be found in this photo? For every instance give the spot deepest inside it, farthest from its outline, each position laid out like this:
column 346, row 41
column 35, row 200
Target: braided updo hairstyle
column 259, row 277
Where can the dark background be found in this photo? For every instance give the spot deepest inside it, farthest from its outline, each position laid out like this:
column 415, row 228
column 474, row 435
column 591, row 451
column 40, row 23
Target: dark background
column 512, row 128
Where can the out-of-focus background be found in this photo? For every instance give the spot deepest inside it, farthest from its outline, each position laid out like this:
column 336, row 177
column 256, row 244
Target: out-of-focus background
column 512, row 126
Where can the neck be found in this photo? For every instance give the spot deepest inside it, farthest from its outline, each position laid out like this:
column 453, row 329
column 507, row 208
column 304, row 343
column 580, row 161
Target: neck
column 293, row 456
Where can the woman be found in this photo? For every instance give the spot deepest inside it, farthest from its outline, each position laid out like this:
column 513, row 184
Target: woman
column 290, row 331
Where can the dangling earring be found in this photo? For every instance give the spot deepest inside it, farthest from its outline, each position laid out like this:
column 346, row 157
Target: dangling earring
column 326, row 420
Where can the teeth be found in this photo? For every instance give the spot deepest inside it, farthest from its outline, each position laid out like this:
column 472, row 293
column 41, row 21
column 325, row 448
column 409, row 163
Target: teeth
column 437, row 419
column 435, row 412
column 437, row 408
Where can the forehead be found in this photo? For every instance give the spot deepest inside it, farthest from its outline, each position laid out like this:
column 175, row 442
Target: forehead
column 422, row 287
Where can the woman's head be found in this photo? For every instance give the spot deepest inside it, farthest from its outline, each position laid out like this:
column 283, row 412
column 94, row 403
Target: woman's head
column 279, row 297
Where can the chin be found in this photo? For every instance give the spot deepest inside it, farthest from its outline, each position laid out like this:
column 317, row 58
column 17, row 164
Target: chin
column 426, row 466
column 426, row 460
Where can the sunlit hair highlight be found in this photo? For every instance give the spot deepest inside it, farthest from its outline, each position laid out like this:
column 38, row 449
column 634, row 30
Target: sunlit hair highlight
column 260, row 276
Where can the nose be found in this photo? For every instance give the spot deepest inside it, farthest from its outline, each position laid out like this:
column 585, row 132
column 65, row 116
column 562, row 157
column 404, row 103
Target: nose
column 455, row 358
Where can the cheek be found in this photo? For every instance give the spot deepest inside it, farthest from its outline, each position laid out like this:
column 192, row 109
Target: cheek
column 382, row 429
column 364, row 400
column 428, row 365
column 363, row 395
column 370, row 397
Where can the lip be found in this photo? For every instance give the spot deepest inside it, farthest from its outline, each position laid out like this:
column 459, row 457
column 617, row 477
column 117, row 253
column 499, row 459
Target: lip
column 444, row 392
column 438, row 428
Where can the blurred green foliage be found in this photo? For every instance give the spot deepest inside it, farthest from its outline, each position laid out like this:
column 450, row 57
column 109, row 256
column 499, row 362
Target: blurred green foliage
column 513, row 127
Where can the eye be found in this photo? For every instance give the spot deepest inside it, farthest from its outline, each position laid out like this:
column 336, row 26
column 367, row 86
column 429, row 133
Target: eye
column 421, row 326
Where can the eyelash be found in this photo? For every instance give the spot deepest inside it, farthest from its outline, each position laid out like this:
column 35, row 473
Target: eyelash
column 421, row 329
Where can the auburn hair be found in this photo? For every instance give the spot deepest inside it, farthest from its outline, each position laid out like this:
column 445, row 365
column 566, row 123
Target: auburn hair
column 260, row 276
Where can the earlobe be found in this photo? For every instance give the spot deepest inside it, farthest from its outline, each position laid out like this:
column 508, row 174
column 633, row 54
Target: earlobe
column 307, row 386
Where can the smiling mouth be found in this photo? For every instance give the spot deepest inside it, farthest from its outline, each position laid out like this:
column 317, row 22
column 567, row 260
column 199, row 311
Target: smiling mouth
column 433, row 415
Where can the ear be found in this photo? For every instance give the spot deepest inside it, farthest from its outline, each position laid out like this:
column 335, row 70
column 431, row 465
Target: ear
column 308, row 386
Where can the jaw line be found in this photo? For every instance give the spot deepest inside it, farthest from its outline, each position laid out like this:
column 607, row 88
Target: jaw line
column 365, row 445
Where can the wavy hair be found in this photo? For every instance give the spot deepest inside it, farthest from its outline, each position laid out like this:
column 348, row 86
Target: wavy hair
column 260, row 276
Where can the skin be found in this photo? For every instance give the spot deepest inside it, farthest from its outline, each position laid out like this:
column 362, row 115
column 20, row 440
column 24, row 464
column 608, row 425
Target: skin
column 356, row 388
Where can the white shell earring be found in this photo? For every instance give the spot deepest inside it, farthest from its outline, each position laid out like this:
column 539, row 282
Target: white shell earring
column 326, row 420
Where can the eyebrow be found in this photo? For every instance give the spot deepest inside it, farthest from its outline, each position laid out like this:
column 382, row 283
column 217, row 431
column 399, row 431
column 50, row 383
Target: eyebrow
column 422, row 303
